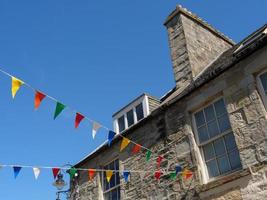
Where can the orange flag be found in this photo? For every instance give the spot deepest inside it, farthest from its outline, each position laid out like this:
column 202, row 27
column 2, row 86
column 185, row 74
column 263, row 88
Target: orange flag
column 187, row 174
column 38, row 99
column 124, row 143
column 136, row 148
column 91, row 173
column 109, row 174
column 16, row 83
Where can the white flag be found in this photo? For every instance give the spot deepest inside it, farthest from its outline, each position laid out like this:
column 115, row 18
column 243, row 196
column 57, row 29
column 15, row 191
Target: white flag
column 36, row 172
column 96, row 126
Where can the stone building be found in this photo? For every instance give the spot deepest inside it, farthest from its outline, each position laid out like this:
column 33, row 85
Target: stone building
column 212, row 122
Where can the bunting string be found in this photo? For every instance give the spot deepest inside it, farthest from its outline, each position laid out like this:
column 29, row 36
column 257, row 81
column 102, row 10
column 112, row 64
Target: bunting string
column 39, row 96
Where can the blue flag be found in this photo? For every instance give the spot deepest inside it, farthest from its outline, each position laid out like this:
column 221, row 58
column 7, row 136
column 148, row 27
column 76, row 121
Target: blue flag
column 16, row 171
column 111, row 135
column 126, row 175
column 178, row 169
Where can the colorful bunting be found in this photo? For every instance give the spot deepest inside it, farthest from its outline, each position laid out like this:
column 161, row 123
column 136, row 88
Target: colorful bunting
column 159, row 159
column 72, row 172
column 96, row 126
column 157, row 175
column 38, row 99
column 148, row 155
column 16, row 83
column 91, row 173
column 59, row 109
column 36, row 172
column 109, row 174
column 78, row 119
column 124, row 143
column 178, row 169
column 55, row 172
column 16, row 171
column 187, row 174
column 125, row 175
column 136, row 148
column 111, row 135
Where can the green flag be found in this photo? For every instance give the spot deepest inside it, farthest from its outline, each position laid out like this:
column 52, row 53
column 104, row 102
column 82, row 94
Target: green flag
column 72, row 172
column 172, row 175
column 59, row 109
column 148, row 155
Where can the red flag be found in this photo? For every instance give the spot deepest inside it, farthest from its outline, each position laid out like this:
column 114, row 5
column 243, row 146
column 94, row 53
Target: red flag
column 136, row 148
column 55, row 171
column 187, row 174
column 38, row 99
column 78, row 119
column 91, row 173
column 159, row 159
column 157, row 175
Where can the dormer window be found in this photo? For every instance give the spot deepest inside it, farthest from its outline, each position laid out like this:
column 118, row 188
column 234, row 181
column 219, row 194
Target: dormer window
column 134, row 112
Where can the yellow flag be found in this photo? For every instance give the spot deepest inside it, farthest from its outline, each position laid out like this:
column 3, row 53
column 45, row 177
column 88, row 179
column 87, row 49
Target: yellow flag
column 109, row 174
column 124, row 143
column 16, row 83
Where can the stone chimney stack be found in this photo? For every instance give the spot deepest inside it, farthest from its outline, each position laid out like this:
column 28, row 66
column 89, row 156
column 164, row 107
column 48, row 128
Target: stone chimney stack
column 194, row 44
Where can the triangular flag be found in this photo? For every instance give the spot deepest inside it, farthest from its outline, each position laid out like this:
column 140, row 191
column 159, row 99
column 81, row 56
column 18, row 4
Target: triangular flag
column 91, row 173
column 157, row 175
column 55, row 172
column 109, row 174
column 78, row 119
column 16, row 83
column 111, row 135
column 38, row 99
column 124, row 143
column 178, row 169
column 96, row 126
column 136, row 148
column 173, row 175
column 159, row 159
column 125, row 175
column 36, row 172
column 59, row 109
column 72, row 172
column 148, row 155
column 16, row 171
column 187, row 174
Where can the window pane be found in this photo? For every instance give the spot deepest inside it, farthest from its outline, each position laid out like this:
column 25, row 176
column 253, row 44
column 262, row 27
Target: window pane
column 235, row 159
column 209, row 113
column 263, row 78
column 223, row 164
column 203, row 134
column 230, row 141
column 219, row 147
column 114, row 194
column 139, row 111
column 200, row 120
column 130, row 118
column 208, row 151
column 213, row 129
column 119, row 193
column 220, row 107
column 121, row 123
column 112, row 181
column 224, row 123
column 212, row 168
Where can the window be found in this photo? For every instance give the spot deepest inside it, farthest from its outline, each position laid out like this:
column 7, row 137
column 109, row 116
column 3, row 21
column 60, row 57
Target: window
column 121, row 124
column 111, row 190
column 139, row 112
column 216, row 140
column 130, row 118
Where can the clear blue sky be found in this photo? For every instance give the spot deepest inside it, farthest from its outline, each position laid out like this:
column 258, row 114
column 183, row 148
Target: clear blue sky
column 94, row 56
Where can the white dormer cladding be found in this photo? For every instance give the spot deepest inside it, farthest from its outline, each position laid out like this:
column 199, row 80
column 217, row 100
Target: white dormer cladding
column 131, row 114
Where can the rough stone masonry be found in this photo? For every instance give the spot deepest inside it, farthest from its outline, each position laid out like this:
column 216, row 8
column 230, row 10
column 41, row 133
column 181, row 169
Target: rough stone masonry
column 207, row 66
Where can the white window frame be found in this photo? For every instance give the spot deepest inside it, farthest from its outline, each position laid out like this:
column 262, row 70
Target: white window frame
column 261, row 89
column 146, row 111
column 103, row 179
column 203, row 165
